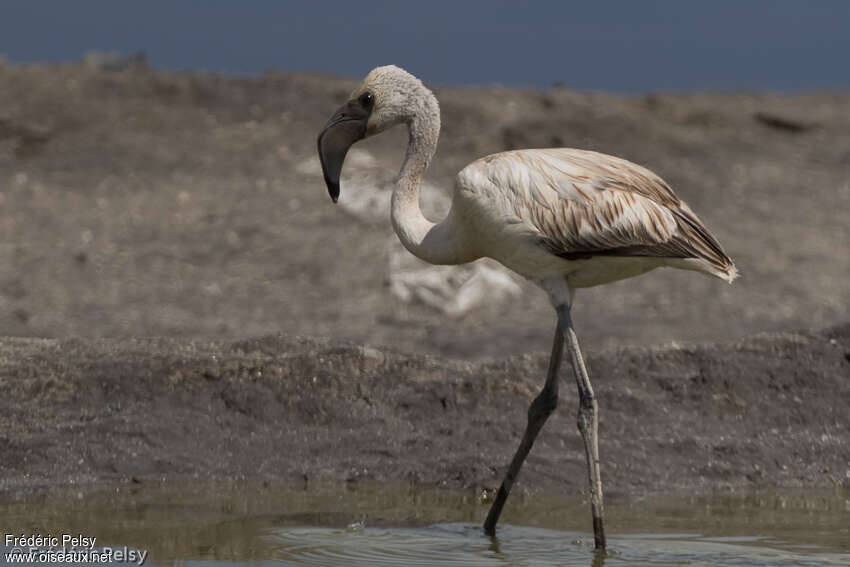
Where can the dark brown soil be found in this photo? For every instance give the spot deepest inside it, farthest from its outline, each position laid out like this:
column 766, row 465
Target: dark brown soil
column 768, row 411
column 141, row 203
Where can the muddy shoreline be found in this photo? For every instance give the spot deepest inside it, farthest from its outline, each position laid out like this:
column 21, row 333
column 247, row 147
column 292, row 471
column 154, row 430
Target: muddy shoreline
column 768, row 411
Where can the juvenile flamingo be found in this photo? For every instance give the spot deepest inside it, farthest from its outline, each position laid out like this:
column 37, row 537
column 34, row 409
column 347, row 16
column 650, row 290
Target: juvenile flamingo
column 562, row 218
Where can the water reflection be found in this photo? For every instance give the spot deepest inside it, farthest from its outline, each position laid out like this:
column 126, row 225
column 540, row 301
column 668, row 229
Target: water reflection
column 598, row 559
column 465, row 544
column 214, row 524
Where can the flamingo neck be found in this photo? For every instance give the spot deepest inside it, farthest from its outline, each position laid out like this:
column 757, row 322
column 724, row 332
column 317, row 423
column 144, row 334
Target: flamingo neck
column 440, row 243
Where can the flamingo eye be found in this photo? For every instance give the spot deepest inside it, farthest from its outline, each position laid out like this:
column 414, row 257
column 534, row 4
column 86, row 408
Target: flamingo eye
column 367, row 100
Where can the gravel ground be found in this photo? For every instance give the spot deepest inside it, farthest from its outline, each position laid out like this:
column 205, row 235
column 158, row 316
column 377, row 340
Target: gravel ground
column 767, row 411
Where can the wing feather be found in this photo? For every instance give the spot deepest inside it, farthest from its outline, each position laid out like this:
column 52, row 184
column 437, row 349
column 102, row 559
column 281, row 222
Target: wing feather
column 585, row 204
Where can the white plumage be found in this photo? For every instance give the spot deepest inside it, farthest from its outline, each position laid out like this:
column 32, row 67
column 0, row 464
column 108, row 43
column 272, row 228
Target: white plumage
column 590, row 217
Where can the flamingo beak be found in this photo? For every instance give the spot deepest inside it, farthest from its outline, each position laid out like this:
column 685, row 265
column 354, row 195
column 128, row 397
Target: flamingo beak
column 346, row 126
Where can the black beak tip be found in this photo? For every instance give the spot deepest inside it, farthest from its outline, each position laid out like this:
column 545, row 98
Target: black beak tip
column 333, row 191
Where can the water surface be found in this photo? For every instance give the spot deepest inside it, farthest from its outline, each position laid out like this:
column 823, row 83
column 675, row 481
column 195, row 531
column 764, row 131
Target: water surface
column 223, row 525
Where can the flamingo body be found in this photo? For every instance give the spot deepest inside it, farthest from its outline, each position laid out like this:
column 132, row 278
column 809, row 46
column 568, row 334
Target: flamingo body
column 589, row 217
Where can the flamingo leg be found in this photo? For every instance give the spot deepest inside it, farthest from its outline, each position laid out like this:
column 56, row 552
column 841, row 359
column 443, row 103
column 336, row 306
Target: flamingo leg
column 588, row 425
column 539, row 410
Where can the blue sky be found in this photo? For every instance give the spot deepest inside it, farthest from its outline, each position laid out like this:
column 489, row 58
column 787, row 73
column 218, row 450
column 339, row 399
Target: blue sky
column 622, row 46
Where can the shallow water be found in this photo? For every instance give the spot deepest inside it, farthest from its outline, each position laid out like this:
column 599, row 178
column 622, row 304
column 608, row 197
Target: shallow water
column 222, row 525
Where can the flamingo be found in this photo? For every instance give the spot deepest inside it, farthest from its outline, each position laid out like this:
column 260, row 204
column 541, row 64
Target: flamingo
column 562, row 218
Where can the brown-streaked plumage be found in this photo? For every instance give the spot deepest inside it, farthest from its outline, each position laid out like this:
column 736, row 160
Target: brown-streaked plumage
column 563, row 218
